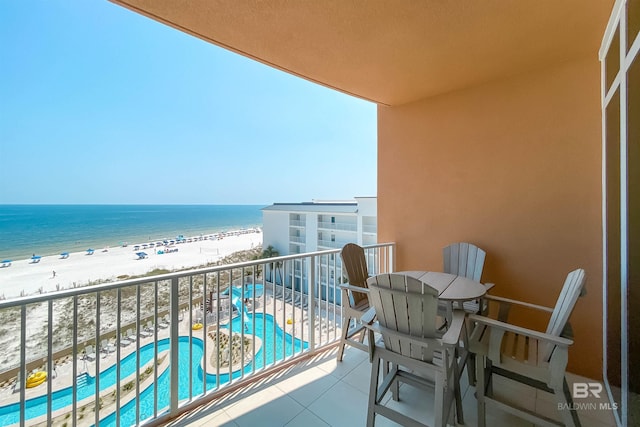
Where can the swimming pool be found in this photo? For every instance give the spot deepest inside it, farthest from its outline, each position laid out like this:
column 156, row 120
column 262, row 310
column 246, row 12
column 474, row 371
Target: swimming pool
column 272, row 350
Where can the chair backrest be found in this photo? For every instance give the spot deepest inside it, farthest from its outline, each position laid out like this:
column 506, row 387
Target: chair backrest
column 407, row 306
column 464, row 259
column 572, row 289
column 355, row 267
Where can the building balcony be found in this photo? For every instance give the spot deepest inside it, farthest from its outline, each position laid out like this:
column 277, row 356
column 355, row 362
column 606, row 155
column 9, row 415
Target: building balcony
column 324, row 225
column 97, row 354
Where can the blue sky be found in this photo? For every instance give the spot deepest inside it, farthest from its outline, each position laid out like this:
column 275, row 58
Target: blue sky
column 101, row 105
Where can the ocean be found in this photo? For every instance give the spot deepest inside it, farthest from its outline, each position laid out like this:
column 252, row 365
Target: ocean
column 44, row 230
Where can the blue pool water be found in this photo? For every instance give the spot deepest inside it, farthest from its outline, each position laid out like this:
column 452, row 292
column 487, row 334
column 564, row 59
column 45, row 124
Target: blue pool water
column 284, row 345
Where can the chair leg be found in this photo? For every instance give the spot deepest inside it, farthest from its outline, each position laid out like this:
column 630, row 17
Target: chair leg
column 565, row 401
column 471, row 369
column 457, row 392
column 343, row 338
column 373, row 390
column 439, row 418
column 480, row 389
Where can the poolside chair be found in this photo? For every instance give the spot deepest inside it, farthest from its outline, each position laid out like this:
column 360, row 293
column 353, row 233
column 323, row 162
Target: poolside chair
column 130, row 335
column 355, row 300
column 150, row 328
column 89, row 353
column 420, row 353
column 527, row 356
column 124, row 340
column 164, row 322
column 107, row 346
column 18, row 384
column 145, row 332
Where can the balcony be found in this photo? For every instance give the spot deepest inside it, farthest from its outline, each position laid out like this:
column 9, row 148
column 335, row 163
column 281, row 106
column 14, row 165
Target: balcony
column 109, row 352
column 341, row 226
column 319, row 391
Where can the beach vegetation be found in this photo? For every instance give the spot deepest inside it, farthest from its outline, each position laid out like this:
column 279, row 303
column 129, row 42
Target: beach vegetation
column 85, row 323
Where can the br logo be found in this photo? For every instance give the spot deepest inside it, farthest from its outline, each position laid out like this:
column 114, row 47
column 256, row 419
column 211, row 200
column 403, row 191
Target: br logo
column 583, row 390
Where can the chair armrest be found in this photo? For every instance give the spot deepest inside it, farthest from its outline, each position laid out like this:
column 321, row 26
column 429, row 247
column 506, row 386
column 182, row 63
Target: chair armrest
column 452, row 336
column 551, row 339
column 369, row 316
column 433, row 343
column 516, row 302
column 348, row 287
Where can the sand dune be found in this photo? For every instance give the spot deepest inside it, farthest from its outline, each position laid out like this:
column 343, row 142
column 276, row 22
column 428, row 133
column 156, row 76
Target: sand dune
column 26, row 277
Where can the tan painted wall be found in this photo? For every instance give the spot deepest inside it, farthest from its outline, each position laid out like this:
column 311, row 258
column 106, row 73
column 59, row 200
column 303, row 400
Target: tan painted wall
column 515, row 167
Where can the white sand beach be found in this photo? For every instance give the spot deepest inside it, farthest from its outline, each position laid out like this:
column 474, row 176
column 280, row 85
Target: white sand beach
column 26, row 277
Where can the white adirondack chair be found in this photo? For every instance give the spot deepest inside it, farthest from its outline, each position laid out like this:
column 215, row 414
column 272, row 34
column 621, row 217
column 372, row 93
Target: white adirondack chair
column 420, row 354
column 465, row 259
column 355, row 301
column 527, row 356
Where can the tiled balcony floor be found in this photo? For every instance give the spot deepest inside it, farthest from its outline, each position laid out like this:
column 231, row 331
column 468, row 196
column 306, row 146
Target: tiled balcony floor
column 323, row 392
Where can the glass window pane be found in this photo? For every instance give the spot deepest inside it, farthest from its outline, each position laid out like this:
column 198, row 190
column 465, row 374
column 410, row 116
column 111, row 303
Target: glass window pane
column 612, row 146
column 612, row 60
column 633, row 239
column 633, row 21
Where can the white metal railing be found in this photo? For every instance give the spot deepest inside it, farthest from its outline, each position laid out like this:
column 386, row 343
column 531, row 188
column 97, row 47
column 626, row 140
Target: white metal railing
column 337, row 226
column 298, row 239
column 297, row 223
column 369, row 229
column 142, row 350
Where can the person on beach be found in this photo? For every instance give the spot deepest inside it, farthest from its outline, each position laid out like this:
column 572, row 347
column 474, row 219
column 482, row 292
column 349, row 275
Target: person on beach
column 54, row 273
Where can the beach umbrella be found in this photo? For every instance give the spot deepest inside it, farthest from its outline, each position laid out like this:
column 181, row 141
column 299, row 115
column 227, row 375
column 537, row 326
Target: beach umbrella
column 35, row 258
column 90, row 251
column 64, row 255
column 141, row 255
column 6, row 262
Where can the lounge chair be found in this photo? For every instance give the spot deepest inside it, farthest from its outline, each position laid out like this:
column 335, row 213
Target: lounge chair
column 130, row 335
column 164, row 322
column 89, row 353
column 107, row 347
column 148, row 330
column 124, row 341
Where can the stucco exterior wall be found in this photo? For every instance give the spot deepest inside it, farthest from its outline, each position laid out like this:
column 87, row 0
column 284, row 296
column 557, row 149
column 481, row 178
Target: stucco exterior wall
column 513, row 166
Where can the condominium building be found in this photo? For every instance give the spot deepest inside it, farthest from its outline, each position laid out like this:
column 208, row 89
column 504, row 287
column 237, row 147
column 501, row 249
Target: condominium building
column 295, row 228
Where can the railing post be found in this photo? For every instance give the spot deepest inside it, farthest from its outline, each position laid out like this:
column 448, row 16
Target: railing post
column 174, row 345
column 312, row 302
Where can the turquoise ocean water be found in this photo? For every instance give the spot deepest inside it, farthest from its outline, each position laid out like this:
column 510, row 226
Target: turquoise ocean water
column 51, row 229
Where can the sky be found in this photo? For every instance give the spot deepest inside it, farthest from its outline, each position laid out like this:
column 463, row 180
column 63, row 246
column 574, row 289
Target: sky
column 100, row 105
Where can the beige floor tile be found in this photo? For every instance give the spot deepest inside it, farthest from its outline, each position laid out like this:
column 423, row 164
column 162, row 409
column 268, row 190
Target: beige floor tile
column 360, row 376
column 306, row 386
column 306, row 419
column 341, row 405
column 266, row 407
column 352, row 358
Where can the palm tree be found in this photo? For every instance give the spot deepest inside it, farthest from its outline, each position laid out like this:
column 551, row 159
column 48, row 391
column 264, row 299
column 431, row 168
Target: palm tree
column 271, row 252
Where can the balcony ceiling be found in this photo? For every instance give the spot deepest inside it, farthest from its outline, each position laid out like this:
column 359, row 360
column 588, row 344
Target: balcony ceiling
column 393, row 51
